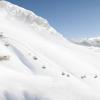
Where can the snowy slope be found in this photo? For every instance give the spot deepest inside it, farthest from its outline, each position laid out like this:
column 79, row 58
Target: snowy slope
column 38, row 63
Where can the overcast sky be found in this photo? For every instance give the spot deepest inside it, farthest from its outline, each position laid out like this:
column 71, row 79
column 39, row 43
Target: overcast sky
column 72, row 18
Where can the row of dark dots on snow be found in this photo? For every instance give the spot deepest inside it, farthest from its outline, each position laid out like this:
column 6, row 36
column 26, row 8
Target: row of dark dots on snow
column 63, row 73
column 35, row 58
column 44, row 67
column 82, row 77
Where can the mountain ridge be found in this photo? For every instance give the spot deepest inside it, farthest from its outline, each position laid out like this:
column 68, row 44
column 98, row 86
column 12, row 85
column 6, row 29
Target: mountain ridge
column 25, row 15
column 95, row 41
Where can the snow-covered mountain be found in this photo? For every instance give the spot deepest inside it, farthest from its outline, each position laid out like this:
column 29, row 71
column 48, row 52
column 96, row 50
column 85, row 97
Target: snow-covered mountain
column 38, row 63
column 89, row 42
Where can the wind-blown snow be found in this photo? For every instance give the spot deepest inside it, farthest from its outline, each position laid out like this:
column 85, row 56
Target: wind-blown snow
column 37, row 63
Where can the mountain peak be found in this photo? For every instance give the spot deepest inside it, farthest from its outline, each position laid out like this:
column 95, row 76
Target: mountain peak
column 24, row 15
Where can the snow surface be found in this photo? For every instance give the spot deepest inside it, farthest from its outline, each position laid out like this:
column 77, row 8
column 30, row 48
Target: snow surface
column 38, row 63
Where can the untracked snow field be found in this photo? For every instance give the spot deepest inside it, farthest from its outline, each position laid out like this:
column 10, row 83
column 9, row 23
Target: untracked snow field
column 38, row 63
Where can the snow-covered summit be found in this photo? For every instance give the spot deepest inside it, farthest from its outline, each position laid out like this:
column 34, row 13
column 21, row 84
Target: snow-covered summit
column 25, row 15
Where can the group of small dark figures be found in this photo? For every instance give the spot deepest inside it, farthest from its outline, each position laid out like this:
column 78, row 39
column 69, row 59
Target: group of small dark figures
column 82, row 77
column 44, row 67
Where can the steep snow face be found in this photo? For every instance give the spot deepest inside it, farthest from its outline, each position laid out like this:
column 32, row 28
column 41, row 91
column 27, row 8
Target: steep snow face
column 37, row 63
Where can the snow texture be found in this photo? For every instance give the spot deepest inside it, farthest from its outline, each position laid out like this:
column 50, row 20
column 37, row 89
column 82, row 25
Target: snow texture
column 38, row 63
